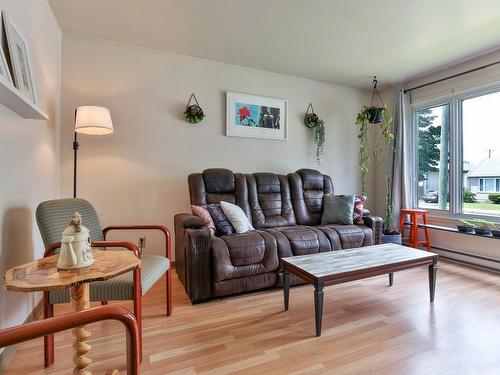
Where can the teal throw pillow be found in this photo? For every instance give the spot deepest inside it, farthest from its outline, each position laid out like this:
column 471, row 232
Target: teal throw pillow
column 338, row 209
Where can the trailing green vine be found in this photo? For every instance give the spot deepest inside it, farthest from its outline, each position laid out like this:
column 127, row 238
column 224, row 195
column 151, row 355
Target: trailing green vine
column 319, row 138
column 363, row 120
column 312, row 121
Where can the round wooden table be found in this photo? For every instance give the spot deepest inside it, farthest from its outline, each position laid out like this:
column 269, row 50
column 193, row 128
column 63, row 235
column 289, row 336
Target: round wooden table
column 43, row 275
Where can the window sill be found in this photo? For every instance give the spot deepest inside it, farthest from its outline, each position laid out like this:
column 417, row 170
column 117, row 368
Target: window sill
column 454, row 218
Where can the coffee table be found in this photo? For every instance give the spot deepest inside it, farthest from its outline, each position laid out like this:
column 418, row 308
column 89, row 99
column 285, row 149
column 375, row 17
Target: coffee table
column 336, row 267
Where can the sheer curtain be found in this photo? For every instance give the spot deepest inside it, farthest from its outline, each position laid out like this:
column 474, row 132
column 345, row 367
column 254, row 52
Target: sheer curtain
column 404, row 158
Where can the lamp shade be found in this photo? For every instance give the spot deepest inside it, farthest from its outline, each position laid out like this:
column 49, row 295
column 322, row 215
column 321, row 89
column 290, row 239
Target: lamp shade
column 93, row 120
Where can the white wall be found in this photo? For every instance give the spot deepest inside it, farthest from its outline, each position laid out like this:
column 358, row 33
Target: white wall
column 138, row 174
column 28, row 154
column 479, row 246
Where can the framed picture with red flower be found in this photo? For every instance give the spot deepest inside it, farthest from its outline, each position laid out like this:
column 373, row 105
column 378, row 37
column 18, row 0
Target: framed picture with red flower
column 255, row 116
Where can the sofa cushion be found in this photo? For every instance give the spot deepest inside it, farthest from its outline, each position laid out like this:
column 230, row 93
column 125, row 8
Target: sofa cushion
column 241, row 255
column 308, row 187
column 218, row 184
column 347, row 236
column 238, row 219
column 222, row 224
column 338, row 209
column 270, row 200
column 299, row 240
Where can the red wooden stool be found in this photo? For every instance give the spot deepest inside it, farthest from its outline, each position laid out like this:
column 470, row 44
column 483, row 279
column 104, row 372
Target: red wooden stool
column 412, row 239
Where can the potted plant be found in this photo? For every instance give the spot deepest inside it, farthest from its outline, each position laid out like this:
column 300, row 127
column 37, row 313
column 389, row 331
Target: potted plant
column 375, row 114
column 312, row 121
column 484, row 227
column 466, row 226
column 193, row 113
column 383, row 137
column 383, row 142
column 496, row 230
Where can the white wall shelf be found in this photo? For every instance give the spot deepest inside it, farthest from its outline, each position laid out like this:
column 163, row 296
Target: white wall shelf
column 13, row 99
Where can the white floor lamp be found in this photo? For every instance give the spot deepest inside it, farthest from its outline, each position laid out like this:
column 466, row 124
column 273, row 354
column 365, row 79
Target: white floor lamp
column 89, row 120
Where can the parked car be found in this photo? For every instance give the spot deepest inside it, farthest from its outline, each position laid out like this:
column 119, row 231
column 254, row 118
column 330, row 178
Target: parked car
column 432, row 197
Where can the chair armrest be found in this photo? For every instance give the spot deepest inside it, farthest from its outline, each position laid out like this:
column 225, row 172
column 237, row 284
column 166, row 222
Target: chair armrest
column 25, row 332
column 51, row 248
column 161, row 228
column 125, row 244
column 376, row 224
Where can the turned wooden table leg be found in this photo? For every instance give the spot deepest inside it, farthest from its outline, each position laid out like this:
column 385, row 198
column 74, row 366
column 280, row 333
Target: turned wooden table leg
column 80, row 300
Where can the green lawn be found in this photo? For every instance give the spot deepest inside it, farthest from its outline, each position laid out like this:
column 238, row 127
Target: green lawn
column 483, row 206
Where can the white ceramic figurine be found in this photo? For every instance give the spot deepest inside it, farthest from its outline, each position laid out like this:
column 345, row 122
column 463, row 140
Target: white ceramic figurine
column 76, row 251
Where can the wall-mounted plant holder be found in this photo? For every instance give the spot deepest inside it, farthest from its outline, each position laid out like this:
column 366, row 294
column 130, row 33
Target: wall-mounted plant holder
column 193, row 113
column 312, row 121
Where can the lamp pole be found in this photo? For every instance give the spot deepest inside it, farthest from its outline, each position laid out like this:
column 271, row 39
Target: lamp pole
column 75, row 152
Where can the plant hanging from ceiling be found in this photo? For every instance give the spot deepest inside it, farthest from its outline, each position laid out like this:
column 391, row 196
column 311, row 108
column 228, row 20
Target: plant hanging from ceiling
column 376, row 122
column 193, row 113
column 382, row 134
column 312, row 121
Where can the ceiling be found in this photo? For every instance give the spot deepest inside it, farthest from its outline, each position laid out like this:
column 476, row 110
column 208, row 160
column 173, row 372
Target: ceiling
column 337, row 41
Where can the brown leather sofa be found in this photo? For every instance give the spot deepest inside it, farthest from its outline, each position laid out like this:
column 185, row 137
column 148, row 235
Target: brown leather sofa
column 286, row 214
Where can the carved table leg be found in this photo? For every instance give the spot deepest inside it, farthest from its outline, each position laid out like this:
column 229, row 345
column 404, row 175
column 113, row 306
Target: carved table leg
column 80, row 300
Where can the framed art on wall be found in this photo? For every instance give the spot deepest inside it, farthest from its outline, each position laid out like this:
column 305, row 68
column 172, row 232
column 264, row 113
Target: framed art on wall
column 19, row 58
column 4, row 66
column 255, row 116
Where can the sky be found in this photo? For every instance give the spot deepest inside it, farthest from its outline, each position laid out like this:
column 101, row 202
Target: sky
column 481, row 127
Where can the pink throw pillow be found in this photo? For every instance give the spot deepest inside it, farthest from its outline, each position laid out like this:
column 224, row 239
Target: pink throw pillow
column 359, row 205
column 204, row 215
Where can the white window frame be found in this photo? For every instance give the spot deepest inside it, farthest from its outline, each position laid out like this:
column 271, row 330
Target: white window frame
column 455, row 178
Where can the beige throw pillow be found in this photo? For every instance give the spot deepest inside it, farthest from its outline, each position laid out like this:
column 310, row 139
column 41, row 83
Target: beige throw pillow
column 237, row 217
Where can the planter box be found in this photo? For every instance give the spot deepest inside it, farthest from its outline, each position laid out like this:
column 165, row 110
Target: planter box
column 391, row 237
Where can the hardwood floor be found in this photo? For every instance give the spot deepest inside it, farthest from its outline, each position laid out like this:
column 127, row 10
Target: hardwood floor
column 368, row 328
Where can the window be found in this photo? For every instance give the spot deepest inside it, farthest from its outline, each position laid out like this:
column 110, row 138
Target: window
column 489, row 185
column 433, row 160
column 459, row 153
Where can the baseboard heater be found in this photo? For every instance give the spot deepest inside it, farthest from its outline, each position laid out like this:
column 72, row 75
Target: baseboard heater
column 469, row 255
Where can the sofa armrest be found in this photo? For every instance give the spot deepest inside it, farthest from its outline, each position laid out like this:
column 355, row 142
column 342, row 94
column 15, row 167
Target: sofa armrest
column 181, row 223
column 188, row 221
column 198, row 264
column 376, row 224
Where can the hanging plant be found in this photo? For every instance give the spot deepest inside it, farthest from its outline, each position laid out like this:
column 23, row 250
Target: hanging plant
column 319, row 138
column 193, row 113
column 312, row 121
column 383, row 135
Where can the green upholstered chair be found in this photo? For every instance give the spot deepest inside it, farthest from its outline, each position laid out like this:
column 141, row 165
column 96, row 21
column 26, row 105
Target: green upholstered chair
column 53, row 217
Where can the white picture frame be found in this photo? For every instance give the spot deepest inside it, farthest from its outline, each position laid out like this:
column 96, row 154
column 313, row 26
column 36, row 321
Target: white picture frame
column 19, row 59
column 4, row 66
column 254, row 116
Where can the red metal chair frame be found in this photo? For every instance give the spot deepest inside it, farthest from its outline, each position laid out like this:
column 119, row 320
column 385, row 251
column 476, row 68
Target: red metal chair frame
column 25, row 332
column 48, row 308
column 168, row 253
